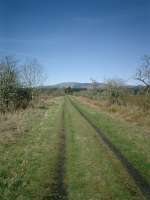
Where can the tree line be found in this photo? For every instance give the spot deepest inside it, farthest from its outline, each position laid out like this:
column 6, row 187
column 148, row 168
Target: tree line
column 19, row 86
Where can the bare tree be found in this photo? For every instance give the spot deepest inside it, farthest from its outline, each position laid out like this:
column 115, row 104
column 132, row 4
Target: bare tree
column 32, row 77
column 114, row 89
column 143, row 73
column 31, row 74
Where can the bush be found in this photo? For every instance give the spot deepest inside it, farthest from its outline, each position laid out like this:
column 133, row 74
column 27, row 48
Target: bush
column 22, row 98
column 12, row 95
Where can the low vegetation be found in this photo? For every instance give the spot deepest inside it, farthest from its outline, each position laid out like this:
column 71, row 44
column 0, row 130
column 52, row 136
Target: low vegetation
column 28, row 156
column 133, row 140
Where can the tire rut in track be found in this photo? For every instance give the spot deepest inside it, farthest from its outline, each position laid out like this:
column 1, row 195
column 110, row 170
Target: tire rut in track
column 140, row 181
column 58, row 188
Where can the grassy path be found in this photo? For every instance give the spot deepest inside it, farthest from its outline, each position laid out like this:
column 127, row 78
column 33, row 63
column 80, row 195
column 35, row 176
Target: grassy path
column 93, row 172
column 131, row 139
column 134, row 173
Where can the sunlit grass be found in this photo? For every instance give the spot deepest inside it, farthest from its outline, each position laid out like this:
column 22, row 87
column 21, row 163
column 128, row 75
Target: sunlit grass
column 27, row 164
column 93, row 172
column 131, row 139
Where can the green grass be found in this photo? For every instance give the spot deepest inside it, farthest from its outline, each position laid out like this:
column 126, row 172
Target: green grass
column 29, row 153
column 131, row 139
column 27, row 165
column 92, row 171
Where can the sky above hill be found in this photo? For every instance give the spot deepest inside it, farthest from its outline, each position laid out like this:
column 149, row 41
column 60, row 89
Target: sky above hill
column 76, row 40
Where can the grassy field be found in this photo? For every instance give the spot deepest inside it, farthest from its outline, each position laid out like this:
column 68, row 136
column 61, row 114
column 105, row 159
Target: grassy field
column 52, row 152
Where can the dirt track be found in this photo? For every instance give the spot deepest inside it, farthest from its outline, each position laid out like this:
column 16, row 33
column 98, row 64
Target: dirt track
column 134, row 173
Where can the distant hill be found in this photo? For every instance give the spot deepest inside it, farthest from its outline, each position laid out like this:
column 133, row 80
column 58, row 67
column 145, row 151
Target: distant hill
column 78, row 85
column 75, row 85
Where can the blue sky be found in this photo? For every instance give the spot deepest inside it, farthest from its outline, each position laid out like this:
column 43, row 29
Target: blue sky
column 76, row 40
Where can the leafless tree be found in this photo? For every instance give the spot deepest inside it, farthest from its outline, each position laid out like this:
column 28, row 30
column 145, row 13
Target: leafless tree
column 143, row 73
column 31, row 74
column 32, row 77
column 114, row 89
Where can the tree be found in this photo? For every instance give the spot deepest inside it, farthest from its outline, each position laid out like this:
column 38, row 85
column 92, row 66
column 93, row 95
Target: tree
column 8, row 81
column 114, row 90
column 143, row 73
column 31, row 74
column 17, row 83
column 68, row 90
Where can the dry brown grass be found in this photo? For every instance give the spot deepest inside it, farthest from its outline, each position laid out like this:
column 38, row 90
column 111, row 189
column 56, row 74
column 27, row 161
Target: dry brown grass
column 130, row 113
column 14, row 125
